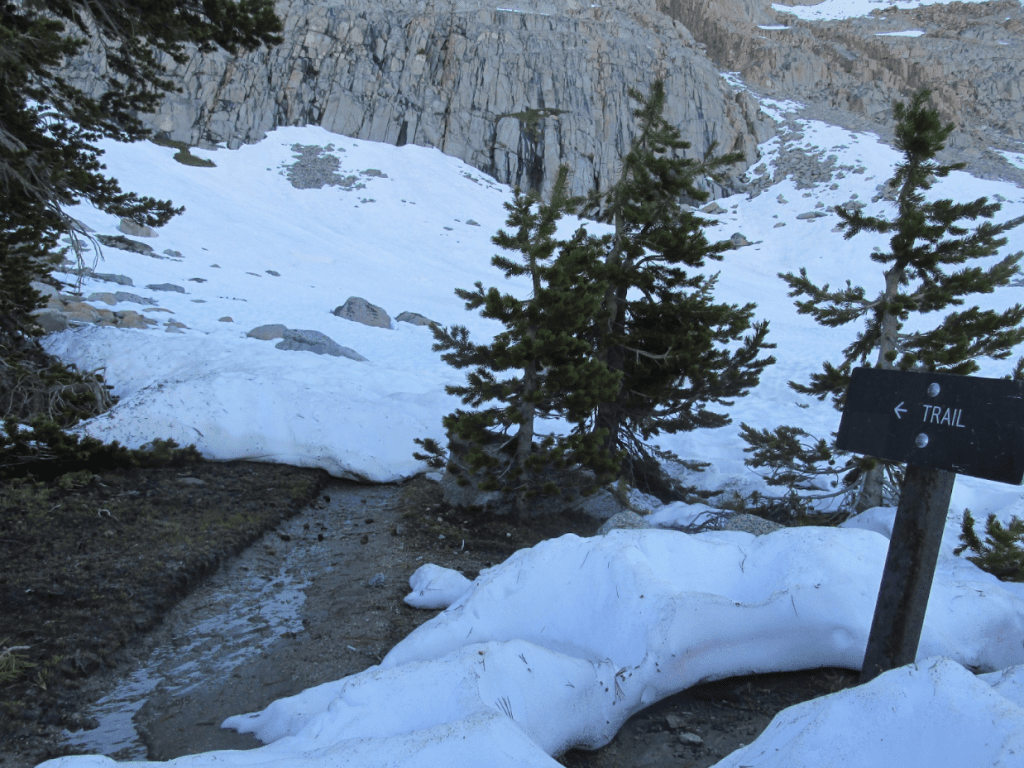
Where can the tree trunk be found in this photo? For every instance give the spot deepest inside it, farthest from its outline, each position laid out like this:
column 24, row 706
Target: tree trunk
column 524, row 441
column 873, row 485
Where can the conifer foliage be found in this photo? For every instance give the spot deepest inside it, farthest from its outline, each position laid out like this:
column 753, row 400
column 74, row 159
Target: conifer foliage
column 540, row 365
column 618, row 337
column 930, row 267
column 48, row 130
column 679, row 352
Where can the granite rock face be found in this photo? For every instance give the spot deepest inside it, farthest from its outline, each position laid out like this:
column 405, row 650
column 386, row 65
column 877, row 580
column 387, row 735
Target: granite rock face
column 971, row 55
column 511, row 92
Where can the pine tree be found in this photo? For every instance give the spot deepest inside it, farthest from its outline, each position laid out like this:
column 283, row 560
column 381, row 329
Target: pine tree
column 543, row 346
column 926, row 270
column 660, row 327
column 48, row 130
column 1002, row 551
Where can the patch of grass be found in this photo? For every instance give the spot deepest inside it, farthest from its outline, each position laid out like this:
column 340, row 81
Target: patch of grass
column 184, row 155
column 12, row 662
column 92, row 557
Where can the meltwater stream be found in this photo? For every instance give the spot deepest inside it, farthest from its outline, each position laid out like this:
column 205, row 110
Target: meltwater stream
column 231, row 618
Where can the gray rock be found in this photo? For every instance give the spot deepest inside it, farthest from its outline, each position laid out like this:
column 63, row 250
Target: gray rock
column 48, row 291
column 714, row 209
column 129, row 318
column 51, row 320
column 132, row 298
column 738, row 240
column 267, row 332
column 134, row 229
column 110, row 278
column 513, row 94
column 171, row 287
column 690, row 739
column 627, row 519
column 751, row 524
column 106, row 298
column 125, row 244
column 811, row 215
column 360, row 310
column 78, row 311
column 318, row 343
column 415, row 318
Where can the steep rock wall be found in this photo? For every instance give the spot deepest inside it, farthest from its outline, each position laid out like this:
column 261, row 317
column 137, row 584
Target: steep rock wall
column 512, row 92
column 971, row 55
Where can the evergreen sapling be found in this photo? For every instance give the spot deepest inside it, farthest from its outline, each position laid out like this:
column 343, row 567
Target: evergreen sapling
column 539, row 367
column 678, row 351
column 927, row 269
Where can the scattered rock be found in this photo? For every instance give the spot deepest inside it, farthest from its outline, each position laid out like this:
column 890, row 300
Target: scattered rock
column 50, row 319
column 316, row 342
column 751, row 524
column 48, row 291
column 125, row 244
column 675, row 722
column 132, row 298
column 377, row 580
column 627, row 519
column 225, row 320
column 166, row 287
column 109, row 278
column 811, row 215
column 131, row 319
column 172, row 253
column 714, row 209
column 360, row 310
column 267, row 332
column 415, row 318
column 134, row 229
column 472, row 223
column 738, row 240
column 273, row 273
column 106, row 298
column 690, row 739
column 80, row 312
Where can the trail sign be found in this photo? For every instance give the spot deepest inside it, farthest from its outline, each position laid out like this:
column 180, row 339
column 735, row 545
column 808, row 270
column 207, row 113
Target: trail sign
column 941, row 425
column 964, row 424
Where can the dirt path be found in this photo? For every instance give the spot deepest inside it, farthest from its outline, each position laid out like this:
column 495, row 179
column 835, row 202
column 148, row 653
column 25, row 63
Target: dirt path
column 320, row 597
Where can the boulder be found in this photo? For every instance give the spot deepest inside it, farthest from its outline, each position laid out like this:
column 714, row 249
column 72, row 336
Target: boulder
column 318, row 343
column 415, row 318
column 79, row 311
column 126, row 244
column 51, row 320
column 360, row 310
column 166, row 287
column 106, row 298
column 131, row 298
column 134, row 229
column 626, row 519
column 110, row 278
column 129, row 318
column 751, row 524
column 267, row 332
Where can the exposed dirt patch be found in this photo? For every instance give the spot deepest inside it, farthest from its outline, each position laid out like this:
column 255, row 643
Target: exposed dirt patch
column 351, row 551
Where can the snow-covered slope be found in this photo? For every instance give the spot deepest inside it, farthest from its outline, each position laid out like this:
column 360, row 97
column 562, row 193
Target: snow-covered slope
column 416, row 230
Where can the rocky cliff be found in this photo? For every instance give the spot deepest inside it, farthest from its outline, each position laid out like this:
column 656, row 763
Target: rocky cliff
column 971, row 55
column 516, row 90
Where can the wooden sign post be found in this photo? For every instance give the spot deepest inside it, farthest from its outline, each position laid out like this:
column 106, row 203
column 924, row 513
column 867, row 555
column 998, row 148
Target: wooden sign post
column 941, row 425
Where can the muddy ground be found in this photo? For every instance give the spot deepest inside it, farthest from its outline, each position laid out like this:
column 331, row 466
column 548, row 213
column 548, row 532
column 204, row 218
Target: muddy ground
column 350, row 550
